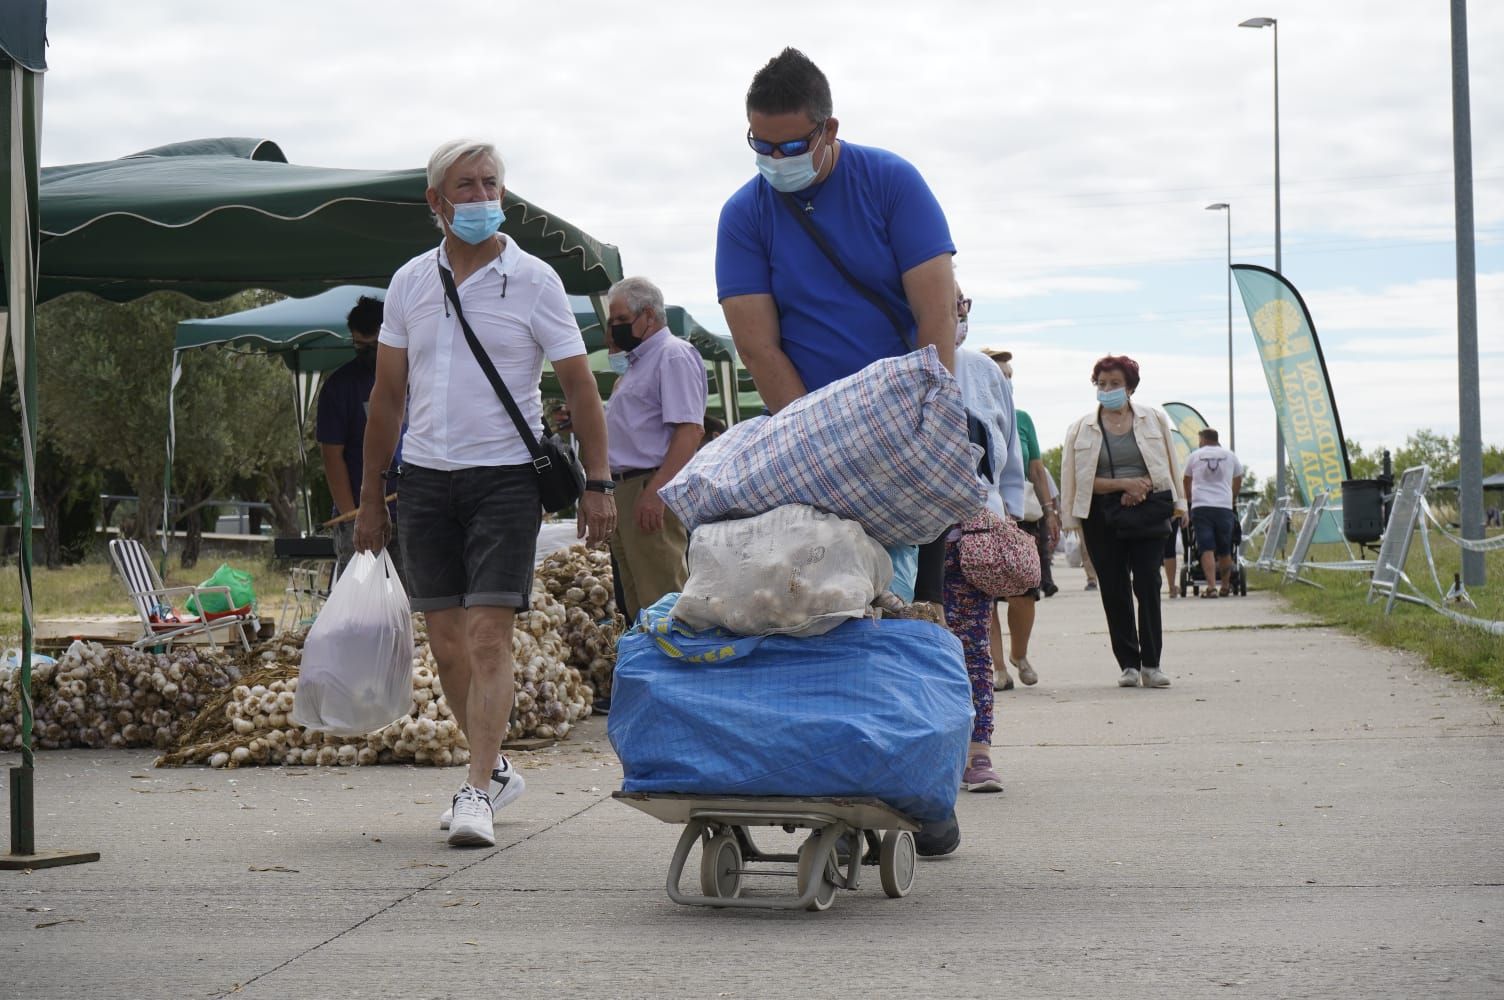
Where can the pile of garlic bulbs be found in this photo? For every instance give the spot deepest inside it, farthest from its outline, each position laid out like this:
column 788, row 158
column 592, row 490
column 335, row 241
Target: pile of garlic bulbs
column 580, row 578
column 250, row 725
column 261, row 732
column 116, row 696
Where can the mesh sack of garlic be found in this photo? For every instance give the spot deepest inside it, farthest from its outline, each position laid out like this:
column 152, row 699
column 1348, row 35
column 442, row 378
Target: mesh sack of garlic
column 792, row 571
column 97, row 696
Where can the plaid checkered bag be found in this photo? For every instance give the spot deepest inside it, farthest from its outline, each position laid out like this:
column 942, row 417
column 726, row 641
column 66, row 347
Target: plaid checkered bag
column 886, row 447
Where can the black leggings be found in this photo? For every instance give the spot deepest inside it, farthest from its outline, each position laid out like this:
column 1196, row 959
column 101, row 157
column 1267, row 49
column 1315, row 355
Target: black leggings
column 929, row 579
column 1127, row 569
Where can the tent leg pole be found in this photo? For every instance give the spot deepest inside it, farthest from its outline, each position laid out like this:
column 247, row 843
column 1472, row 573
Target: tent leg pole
column 23, row 854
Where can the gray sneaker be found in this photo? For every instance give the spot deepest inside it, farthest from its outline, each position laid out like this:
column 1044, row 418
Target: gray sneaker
column 1025, row 670
column 1129, row 679
column 1154, row 679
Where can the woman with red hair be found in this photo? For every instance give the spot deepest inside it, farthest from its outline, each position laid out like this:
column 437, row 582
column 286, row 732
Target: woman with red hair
column 1116, row 458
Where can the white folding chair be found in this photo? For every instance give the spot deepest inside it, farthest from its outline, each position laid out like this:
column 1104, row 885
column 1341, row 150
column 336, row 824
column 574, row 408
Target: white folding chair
column 160, row 624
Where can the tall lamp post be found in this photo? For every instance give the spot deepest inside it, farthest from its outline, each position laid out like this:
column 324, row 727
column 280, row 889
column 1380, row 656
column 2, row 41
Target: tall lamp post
column 1470, row 425
column 1269, row 22
column 1232, row 425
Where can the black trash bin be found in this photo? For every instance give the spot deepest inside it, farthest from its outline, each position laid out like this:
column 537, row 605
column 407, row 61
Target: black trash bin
column 1363, row 510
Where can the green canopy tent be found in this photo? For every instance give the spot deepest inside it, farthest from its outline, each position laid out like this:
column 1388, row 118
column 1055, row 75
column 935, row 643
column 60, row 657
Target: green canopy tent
column 23, row 29
column 213, row 216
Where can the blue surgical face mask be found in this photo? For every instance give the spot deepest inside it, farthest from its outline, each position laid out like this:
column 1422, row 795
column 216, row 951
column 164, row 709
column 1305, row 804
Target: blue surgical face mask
column 476, row 221
column 1113, row 399
column 790, row 173
column 619, row 362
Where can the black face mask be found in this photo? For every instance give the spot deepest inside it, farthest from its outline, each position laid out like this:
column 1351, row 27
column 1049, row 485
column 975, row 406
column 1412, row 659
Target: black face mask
column 366, row 356
column 621, row 336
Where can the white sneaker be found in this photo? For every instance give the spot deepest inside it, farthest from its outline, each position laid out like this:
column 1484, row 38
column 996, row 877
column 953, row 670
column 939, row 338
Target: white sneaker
column 1129, row 678
column 471, row 819
column 1154, row 679
column 506, row 786
column 1025, row 670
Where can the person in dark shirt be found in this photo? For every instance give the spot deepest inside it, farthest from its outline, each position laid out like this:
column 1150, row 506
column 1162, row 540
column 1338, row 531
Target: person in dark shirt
column 341, row 427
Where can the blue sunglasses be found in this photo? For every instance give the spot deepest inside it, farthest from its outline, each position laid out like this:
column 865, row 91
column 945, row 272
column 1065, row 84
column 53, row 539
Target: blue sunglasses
column 794, row 147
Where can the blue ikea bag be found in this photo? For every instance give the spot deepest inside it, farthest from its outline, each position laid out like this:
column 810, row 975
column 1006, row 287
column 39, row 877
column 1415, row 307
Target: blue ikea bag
column 871, row 708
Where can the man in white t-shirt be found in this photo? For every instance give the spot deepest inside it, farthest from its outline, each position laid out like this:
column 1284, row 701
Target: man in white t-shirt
column 468, row 497
column 1213, row 480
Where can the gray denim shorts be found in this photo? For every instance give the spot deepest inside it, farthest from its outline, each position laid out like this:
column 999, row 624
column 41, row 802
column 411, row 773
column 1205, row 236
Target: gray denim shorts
column 468, row 536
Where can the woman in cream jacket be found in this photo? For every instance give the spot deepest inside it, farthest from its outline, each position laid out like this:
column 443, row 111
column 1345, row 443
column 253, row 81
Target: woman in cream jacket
column 1118, row 454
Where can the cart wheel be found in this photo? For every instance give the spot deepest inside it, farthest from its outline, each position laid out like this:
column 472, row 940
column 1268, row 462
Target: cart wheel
column 896, row 869
column 721, row 867
column 812, row 865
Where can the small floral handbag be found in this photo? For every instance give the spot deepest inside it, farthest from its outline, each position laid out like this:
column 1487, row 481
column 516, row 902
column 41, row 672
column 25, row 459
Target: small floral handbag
column 997, row 556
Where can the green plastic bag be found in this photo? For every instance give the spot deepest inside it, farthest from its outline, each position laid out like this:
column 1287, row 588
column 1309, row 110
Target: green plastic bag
column 242, row 593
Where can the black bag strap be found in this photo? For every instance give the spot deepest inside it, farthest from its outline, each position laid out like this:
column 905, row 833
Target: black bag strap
column 1106, row 443
column 540, row 459
column 899, row 327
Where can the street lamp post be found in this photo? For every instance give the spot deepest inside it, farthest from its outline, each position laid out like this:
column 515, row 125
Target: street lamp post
column 1470, row 490
column 1269, row 22
column 1232, row 426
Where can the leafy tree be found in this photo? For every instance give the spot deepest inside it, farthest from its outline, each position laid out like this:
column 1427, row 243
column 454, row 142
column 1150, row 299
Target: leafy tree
column 1426, row 447
column 1363, row 464
column 103, row 381
column 1051, row 460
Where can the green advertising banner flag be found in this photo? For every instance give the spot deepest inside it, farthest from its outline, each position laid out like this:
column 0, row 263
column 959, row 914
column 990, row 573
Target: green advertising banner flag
column 1186, row 424
column 1298, row 383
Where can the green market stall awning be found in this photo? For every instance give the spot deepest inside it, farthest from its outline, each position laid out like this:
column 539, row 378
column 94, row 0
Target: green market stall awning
column 308, row 334
column 213, row 216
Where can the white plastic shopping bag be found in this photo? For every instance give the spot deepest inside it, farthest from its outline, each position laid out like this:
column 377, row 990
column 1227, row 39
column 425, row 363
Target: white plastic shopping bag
column 792, row 571
column 357, row 672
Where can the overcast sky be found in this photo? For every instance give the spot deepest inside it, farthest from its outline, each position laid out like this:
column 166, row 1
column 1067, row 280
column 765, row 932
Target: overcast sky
column 1073, row 147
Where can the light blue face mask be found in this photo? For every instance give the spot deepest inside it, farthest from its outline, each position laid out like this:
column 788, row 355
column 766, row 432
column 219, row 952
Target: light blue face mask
column 619, row 362
column 476, row 221
column 790, row 174
column 1113, row 399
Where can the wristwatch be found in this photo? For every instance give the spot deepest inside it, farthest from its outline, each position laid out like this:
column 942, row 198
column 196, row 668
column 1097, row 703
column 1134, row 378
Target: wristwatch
column 605, row 486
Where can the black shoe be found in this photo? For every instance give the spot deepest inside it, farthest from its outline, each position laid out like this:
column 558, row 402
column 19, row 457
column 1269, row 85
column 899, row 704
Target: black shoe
column 938, row 838
column 602, row 706
column 1051, row 590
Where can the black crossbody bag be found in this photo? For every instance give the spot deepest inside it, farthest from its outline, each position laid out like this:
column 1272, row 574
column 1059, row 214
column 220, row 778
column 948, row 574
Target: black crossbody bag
column 560, row 481
column 1149, row 519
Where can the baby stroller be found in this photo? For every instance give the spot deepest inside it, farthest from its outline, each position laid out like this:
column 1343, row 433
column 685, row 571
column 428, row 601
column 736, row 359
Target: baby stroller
column 1191, row 576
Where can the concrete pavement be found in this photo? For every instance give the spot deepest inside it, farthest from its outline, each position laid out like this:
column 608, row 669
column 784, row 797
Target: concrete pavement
column 1301, row 814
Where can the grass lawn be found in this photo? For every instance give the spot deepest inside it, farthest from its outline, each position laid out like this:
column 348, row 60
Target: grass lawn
column 1455, row 648
column 92, row 588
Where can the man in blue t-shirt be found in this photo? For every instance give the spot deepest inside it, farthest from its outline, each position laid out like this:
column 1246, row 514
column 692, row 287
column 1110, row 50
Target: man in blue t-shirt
column 341, row 428
column 798, row 322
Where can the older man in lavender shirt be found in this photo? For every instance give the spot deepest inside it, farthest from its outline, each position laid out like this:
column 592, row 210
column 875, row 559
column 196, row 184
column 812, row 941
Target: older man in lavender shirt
column 654, row 422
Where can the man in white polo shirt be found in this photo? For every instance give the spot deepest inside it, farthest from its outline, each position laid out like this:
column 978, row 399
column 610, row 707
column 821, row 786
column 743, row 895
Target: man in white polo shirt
column 468, row 498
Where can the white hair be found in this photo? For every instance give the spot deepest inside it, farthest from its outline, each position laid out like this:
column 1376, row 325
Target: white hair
column 639, row 295
column 455, row 150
